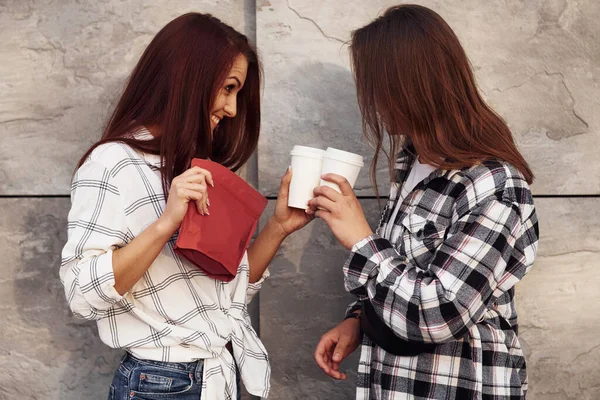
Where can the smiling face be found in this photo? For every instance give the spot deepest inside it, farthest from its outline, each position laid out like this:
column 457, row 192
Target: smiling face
column 225, row 104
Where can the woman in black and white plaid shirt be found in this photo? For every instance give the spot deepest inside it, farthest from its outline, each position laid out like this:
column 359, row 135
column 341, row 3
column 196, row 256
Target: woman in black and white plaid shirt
column 435, row 283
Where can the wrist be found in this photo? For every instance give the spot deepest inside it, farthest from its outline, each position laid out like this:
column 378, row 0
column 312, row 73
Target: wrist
column 360, row 237
column 353, row 317
column 276, row 228
column 165, row 227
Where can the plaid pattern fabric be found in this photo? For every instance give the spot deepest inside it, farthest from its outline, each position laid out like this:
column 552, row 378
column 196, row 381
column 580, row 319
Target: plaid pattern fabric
column 174, row 313
column 446, row 274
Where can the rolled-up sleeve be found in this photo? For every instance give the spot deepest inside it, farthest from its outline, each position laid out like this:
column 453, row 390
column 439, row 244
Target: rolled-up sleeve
column 96, row 227
column 354, row 307
column 254, row 288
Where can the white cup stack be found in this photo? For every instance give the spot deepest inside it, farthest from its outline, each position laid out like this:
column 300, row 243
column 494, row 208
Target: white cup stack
column 309, row 163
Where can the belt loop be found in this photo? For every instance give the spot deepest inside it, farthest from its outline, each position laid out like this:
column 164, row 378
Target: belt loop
column 198, row 372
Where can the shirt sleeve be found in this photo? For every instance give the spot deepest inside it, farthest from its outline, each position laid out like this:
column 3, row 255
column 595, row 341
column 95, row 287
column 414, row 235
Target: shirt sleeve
column 354, row 307
column 96, row 227
column 485, row 253
column 254, row 288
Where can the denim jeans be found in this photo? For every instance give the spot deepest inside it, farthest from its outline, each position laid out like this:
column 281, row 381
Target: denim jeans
column 137, row 379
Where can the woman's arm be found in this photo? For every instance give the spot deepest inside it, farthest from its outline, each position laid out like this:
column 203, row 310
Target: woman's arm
column 284, row 221
column 483, row 256
column 96, row 227
column 487, row 250
column 100, row 262
column 132, row 261
column 263, row 249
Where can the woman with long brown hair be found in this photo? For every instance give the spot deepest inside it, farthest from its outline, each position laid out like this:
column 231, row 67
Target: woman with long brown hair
column 435, row 282
column 193, row 94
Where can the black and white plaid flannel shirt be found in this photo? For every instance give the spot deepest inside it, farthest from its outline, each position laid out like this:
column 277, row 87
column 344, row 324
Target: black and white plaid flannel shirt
column 446, row 274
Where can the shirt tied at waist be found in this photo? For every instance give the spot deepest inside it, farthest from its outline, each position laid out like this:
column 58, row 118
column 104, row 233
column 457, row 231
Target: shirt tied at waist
column 251, row 358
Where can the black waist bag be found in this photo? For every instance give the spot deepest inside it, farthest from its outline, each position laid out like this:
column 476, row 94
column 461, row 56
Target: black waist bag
column 384, row 337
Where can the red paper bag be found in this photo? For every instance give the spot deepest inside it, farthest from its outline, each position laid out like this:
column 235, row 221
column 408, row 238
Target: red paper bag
column 216, row 243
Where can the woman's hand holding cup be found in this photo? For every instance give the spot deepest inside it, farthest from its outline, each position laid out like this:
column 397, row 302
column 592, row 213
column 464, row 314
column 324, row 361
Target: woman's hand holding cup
column 288, row 219
column 341, row 211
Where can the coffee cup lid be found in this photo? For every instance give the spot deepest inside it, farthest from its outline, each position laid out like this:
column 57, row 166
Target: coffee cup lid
column 345, row 156
column 305, row 151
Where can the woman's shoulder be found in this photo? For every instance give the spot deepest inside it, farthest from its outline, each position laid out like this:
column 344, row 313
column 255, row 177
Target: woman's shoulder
column 491, row 180
column 112, row 156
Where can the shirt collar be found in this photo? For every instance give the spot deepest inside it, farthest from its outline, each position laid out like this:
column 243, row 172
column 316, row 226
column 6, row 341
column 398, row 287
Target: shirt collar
column 152, row 160
column 404, row 161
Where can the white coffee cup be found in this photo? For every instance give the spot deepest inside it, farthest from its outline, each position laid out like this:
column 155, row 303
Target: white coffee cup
column 306, row 175
column 341, row 163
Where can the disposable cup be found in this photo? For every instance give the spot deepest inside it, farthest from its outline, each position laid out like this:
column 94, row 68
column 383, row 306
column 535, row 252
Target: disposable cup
column 306, row 175
column 341, row 163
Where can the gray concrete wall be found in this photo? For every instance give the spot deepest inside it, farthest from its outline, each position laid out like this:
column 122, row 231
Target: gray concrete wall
column 537, row 64
column 64, row 62
column 63, row 65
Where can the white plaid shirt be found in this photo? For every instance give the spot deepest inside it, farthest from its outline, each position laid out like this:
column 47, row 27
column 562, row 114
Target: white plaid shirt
column 446, row 274
column 174, row 313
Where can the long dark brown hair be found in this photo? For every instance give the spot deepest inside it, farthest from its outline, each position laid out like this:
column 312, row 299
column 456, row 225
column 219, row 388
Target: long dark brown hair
column 173, row 86
column 415, row 81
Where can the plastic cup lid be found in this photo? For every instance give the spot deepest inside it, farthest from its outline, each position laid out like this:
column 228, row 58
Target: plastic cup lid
column 345, row 156
column 305, row 151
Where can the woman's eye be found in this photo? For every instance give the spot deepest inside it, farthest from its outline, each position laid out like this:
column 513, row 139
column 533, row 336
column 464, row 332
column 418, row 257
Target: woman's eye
column 229, row 88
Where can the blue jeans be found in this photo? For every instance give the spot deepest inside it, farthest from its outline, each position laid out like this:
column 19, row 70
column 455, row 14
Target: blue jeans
column 137, row 379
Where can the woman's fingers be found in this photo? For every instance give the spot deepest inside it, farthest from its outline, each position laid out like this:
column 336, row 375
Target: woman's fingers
column 197, row 187
column 322, row 203
column 324, row 346
column 196, row 178
column 189, row 194
column 323, row 356
column 209, row 179
column 194, row 173
column 284, row 186
column 199, row 181
column 327, row 192
column 342, row 183
column 196, row 192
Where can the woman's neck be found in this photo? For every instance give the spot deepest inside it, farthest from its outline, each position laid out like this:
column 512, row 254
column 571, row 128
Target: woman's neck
column 154, row 130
